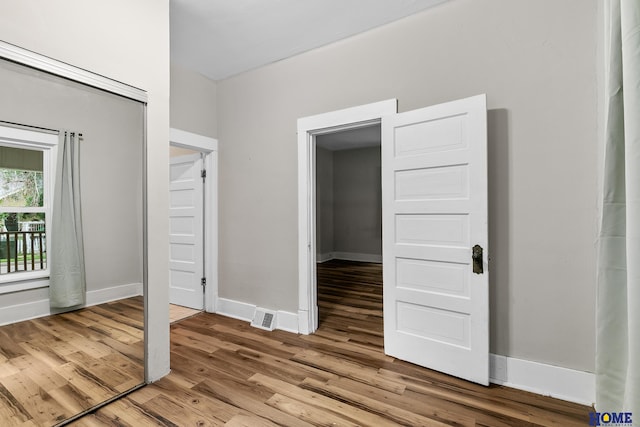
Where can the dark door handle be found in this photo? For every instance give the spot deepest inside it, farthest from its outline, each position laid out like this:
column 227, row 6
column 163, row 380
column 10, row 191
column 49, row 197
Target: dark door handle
column 477, row 257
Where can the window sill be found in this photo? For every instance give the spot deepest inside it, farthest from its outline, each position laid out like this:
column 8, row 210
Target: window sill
column 23, row 282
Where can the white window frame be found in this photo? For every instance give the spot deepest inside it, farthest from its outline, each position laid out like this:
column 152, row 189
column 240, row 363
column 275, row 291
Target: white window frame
column 47, row 143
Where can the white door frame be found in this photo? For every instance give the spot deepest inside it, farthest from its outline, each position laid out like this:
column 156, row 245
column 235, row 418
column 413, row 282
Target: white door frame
column 209, row 147
column 308, row 129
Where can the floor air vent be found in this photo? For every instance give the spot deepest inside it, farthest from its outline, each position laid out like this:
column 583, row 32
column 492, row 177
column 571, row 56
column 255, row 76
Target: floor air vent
column 264, row 319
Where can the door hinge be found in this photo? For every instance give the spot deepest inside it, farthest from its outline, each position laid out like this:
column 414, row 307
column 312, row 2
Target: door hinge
column 203, row 282
column 203, row 173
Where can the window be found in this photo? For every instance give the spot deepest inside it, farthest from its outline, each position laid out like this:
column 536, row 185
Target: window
column 26, row 185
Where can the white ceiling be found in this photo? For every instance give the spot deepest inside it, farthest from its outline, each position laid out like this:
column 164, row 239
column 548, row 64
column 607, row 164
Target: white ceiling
column 221, row 38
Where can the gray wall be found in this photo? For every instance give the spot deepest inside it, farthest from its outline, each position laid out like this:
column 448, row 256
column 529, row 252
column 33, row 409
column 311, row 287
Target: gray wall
column 111, row 166
column 324, row 202
column 357, row 214
column 193, row 102
column 536, row 60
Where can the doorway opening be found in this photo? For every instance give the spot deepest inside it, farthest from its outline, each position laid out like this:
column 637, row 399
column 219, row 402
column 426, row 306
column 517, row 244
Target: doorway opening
column 193, row 224
column 348, row 243
column 310, row 129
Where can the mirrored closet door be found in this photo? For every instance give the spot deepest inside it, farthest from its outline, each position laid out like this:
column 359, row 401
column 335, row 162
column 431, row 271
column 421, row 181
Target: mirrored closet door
column 71, row 246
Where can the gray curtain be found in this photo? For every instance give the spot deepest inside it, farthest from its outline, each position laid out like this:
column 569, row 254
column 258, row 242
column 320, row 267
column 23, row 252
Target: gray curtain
column 67, row 287
column 618, row 299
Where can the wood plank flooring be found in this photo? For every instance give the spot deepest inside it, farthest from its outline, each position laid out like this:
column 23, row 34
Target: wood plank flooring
column 54, row 367
column 224, row 372
column 178, row 312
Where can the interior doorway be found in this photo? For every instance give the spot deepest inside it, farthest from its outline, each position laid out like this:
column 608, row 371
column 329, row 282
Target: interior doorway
column 309, row 129
column 186, row 229
column 193, row 224
column 435, row 238
column 348, row 212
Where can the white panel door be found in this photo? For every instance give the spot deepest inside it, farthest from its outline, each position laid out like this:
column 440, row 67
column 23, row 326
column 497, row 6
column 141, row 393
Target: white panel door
column 186, row 231
column 434, row 179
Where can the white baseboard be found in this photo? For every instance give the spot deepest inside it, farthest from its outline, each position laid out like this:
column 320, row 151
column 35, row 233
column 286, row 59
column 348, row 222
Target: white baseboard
column 26, row 311
column 324, row 257
column 114, row 293
column 40, row 308
column 285, row 320
column 235, row 309
column 349, row 256
column 548, row 380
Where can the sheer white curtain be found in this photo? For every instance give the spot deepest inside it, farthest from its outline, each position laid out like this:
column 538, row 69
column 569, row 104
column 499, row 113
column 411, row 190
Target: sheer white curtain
column 618, row 302
column 67, row 278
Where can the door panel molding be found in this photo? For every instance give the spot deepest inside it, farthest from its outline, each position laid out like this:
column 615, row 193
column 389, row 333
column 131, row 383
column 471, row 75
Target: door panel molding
column 186, row 239
column 434, row 192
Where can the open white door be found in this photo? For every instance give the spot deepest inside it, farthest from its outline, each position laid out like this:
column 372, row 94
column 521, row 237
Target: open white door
column 434, row 194
column 186, row 231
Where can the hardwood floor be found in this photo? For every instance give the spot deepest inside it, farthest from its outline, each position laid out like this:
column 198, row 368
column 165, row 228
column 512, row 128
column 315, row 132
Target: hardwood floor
column 178, row 312
column 224, row 372
column 54, row 367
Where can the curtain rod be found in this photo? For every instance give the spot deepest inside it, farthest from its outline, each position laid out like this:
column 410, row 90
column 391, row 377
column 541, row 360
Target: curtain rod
column 73, row 133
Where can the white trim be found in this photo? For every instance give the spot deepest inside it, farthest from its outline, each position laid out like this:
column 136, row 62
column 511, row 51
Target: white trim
column 47, row 143
column 235, row 309
column 62, row 69
column 334, row 121
column 348, row 256
column 285, row 321
column 208, row 146
column 20, row 285
column 192, row 141
column 114, row 293
column 320, row 258
column 354, row 256
column 308, row 128
column 40, row 308
column 548, row 380
column 26, row 311
column 211, row 238
column 20, row 137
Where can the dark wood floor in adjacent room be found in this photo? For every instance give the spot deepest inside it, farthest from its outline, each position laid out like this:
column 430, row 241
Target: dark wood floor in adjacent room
column 224, row 372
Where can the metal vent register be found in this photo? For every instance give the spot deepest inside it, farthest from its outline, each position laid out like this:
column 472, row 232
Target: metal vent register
column 264, row 319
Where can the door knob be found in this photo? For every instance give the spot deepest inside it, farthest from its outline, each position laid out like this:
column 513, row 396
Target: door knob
column 477, row 257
